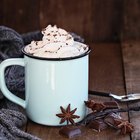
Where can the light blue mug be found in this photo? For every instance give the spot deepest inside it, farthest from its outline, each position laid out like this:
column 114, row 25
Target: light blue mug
column 49, row 84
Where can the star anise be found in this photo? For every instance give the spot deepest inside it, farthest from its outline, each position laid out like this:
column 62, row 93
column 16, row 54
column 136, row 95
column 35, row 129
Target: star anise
column 89, row 103
column 96, row 107
column 124, row 126
column 67, row 115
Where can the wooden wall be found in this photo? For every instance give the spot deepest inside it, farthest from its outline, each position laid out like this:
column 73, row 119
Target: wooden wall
column 131, row 27
column 95, row 20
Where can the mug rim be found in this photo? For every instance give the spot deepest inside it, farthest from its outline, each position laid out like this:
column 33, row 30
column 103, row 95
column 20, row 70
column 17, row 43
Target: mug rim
column 57, row 59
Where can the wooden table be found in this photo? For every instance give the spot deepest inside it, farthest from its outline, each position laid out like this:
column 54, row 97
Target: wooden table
column 114, row 67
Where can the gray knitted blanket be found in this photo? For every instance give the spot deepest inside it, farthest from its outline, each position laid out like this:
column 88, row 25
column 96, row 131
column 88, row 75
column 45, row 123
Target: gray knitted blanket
column 11, row 118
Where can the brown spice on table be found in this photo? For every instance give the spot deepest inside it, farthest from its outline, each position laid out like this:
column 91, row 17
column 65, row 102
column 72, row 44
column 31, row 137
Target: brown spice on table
column 114, row 120
column 124, row 126
column 96, row 107
column 111, row 119
column 67, row 115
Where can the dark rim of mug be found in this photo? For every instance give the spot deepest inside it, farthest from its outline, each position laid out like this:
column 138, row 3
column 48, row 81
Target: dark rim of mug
column 57, row 59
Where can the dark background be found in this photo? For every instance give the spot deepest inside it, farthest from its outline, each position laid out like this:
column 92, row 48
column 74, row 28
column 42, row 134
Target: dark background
column 95, row 20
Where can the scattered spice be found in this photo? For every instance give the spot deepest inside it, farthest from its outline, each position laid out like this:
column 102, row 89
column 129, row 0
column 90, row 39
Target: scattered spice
column 67, row 115
column 102, row 116
column 96, row 107
column 89, row 103
column 36, row 42
column 124, row 126
column 55, row 35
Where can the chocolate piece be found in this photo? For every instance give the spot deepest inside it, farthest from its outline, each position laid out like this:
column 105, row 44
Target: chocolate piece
column 110, row 119
column 70, row 131
column 97, row 125
column 111, row 105
column 114, row 120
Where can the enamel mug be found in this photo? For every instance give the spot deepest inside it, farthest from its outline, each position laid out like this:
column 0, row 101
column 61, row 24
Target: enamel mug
column 49, row 84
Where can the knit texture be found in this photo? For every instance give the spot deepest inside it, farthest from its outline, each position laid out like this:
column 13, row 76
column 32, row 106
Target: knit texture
column 11, row 118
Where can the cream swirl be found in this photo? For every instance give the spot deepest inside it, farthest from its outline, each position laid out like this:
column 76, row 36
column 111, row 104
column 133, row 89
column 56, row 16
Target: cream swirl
column 56, row 43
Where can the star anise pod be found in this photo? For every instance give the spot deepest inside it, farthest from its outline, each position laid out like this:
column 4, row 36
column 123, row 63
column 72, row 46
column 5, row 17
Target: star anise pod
column 96, row 107
column 89, row 103
column 67, row 115
column 124, row 125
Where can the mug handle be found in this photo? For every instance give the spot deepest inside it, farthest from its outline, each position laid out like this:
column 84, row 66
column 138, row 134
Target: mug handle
column 4, row 89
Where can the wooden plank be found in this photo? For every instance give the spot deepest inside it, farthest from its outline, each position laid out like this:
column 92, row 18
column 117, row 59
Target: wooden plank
column 106, row 73
column 23, row 16
column 107, row 20
column 131, row 58
column 74, row 16
column 131, row 26
column 94, row 20
column 1, row 12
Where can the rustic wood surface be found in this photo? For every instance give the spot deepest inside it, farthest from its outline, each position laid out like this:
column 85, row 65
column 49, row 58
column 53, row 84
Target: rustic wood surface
column 113, row 67
column 131, row 20
column 20, row 15
column 131, row 58
column 94, row 20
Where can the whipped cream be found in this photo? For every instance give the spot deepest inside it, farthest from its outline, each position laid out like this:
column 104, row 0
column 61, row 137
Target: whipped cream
column 56, row 43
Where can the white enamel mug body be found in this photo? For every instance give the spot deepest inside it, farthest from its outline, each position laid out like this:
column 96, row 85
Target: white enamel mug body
column 49, row 84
